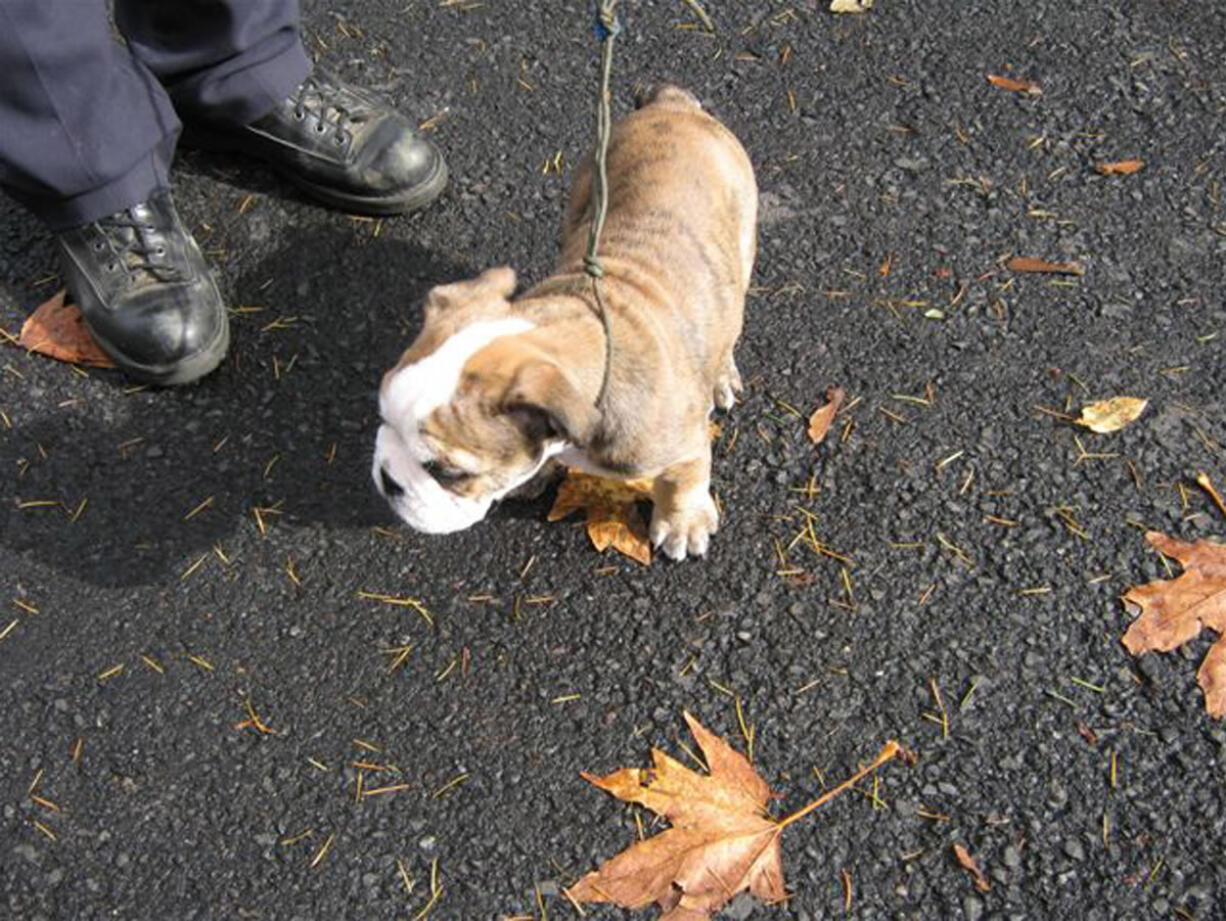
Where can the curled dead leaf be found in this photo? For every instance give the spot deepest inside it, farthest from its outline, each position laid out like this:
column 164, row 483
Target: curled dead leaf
column 56, row 329
column 1018, row 86
column 850, row 6
column 971, row 866
column 1111, row 415
column 611, row 507
column 823, row 416
column 1031, row 264
column 1174, row 611
column 1121, row 167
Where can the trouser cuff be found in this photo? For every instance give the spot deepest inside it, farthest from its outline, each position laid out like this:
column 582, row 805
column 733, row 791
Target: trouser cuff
column 151, row 172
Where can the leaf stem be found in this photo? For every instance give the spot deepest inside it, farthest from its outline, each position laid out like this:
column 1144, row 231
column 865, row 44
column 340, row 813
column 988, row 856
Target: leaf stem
column 889, row 752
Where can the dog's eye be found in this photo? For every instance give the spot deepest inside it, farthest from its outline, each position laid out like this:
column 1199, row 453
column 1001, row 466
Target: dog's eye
column 445, row 476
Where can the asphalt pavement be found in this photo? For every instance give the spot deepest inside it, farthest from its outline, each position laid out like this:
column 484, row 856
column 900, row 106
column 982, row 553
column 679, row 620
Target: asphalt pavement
column 169, row 558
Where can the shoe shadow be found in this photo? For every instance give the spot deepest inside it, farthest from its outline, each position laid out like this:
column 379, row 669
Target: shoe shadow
column 123, row 489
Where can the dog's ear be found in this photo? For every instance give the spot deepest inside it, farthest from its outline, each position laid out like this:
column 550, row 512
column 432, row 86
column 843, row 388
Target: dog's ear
column 549, row 405
column 492, row 284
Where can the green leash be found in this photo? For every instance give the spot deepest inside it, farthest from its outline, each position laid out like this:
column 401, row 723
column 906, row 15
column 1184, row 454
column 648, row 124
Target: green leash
column 608, row 27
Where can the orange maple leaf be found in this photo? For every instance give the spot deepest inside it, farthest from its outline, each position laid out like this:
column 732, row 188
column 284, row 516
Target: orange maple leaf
column 613, row 518
column 1174, row 611
column 722, row 841
column 57, row 330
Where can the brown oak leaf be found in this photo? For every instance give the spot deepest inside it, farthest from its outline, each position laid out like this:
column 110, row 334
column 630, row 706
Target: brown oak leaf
column 722, row 840
column 1031, row 264
column 1121, row 167
column 1018, row 86
column 1174, row 611
column 613, row 518
column 56, row 329
column 823, row 416
column 971, row 866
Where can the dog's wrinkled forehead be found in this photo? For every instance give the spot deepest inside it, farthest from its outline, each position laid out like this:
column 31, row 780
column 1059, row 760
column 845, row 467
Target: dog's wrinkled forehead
column 412, row 392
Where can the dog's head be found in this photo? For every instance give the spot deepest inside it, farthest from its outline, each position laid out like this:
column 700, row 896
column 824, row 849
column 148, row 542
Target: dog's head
column 472, row 410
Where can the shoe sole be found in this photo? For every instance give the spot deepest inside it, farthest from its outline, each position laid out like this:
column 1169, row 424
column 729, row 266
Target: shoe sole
column 414, row 199
column 187, row 371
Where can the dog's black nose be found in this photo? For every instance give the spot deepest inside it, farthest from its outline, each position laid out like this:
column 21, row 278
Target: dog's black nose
column 391, row 488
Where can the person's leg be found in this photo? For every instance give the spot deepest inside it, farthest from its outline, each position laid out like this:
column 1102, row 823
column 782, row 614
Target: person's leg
column 84, row 130
column 241, row 81
column 86, row 139
column 228, row 61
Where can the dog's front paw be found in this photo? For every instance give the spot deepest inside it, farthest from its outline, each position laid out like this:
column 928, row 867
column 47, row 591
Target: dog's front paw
column 686, row 528
column 728, row 385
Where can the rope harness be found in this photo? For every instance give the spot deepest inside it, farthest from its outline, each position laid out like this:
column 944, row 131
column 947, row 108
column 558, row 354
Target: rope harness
column 608, row 27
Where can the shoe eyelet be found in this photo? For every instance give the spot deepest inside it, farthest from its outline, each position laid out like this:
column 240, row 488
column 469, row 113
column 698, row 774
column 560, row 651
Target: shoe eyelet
column 112, row 266
column 160, row 251
column 99, row 246
column 299, row 115
column 320, row 128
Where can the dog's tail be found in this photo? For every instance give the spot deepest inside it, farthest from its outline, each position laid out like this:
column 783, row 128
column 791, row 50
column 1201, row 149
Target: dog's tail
column 667, row 94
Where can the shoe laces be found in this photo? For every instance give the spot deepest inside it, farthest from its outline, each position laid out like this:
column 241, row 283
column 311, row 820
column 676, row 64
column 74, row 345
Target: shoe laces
column 135, row 243
column 332, row 105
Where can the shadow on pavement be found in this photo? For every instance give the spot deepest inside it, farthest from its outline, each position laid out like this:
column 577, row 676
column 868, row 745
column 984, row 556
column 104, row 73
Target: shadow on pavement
column 121, row 489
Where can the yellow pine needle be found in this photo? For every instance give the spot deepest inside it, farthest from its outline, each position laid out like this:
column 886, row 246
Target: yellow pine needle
column 323, row 851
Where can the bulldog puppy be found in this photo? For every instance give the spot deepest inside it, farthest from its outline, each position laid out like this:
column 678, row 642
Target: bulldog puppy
column 495, row 387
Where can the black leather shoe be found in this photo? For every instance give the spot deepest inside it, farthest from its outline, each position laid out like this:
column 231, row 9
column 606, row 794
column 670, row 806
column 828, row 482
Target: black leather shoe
column 341, row 144
column 146, row 294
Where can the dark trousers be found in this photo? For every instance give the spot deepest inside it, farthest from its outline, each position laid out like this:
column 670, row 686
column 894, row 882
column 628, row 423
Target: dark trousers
column 88, row 125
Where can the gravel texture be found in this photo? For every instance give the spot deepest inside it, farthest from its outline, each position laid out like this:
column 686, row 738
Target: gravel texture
column 874, row 137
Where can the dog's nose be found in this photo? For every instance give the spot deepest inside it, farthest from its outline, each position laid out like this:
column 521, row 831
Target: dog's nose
column 391, row 488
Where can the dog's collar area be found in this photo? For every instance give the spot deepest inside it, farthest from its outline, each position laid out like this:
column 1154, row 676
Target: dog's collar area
column 586, row 288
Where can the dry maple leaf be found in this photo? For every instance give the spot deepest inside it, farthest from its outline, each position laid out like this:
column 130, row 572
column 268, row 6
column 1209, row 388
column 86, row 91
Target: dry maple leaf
column 1030, row 264
column 1018, row 86
column 1111, row 415
column 613, row 518
column 57, row 330
column 971, row 866
column 722, row 840
column 1121, row 167
column 1174, row 611
column 823, row 416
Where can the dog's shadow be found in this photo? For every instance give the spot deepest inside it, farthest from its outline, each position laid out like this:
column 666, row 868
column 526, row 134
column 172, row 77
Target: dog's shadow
column 121, row 488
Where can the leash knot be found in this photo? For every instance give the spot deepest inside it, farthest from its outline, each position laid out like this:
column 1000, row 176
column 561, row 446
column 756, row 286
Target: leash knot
column 607, row 25
column 593, row 267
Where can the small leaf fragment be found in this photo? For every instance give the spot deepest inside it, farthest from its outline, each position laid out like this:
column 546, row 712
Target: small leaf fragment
column 823, row 416
column 971, row 866
column 1121, row 167
column 1018, row 86
column 1031, row 264
column 850, row 6
column 1111, row 415
column 57, row 330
